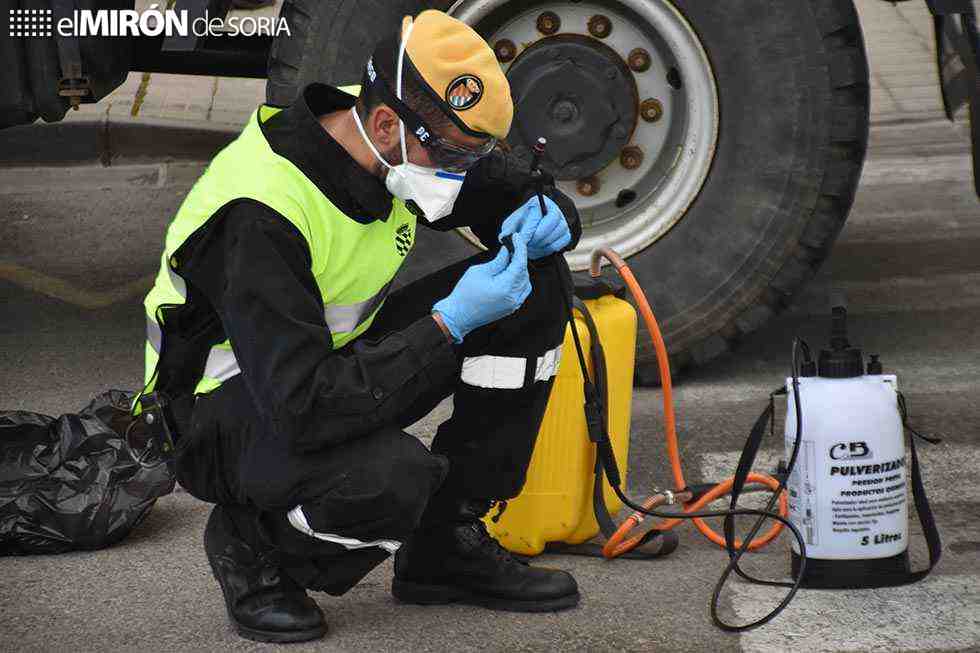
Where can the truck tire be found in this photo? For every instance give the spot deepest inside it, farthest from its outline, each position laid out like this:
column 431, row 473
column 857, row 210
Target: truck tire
column 767, row 103
column 330, row 41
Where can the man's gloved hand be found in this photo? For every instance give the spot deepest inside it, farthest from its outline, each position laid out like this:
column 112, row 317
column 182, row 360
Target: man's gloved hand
column 487, row 292
column 545, row 234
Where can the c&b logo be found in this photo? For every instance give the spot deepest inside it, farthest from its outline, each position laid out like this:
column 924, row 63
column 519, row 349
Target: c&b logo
column 850, row 451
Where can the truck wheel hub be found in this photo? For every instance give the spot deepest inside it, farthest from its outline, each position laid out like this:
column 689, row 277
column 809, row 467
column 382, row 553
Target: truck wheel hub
column 625, row 95
column 576, row 92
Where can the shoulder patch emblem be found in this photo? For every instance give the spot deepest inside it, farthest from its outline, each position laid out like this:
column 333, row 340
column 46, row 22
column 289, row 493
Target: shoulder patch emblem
column 403, row 240
column 464, row 92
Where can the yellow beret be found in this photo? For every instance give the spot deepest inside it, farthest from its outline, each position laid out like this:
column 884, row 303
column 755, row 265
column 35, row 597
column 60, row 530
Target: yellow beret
column 462, row 70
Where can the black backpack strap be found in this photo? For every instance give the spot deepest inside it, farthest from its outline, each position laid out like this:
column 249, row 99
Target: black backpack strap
column 926, row 518
column 746, row 461
column 654, row 543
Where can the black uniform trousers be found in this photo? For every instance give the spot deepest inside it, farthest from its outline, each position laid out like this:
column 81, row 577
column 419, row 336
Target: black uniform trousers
column 377, row 487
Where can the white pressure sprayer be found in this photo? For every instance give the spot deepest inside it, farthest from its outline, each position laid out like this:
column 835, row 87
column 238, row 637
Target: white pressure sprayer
column 848, row 491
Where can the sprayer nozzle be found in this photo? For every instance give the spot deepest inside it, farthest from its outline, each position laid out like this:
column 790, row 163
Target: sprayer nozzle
column 838, row 329
column 841, row 361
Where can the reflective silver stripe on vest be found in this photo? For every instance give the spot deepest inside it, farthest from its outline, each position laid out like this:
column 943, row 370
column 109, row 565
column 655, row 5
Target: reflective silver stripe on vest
column 346, row 318
column 153, row 334
column 178, row 282
column 221, row 364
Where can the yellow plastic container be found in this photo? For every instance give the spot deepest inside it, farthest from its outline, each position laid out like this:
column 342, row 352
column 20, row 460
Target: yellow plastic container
column 556, row 502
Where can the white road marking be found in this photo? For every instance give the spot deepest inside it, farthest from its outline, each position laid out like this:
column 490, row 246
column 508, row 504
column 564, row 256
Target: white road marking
column 67, row 179
column 881, row 170
column 939, row 612
column 943, row 467
column 917, row 382
column 82, row 178
column 894, row 294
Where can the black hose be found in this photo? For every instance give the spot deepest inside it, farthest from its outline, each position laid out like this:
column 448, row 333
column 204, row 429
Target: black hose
column 598, row 432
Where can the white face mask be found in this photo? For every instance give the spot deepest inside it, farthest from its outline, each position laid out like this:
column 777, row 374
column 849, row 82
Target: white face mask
column 432, row 190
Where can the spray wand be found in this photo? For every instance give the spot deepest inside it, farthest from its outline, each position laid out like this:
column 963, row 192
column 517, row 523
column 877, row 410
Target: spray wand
column 537, row 181
column 536, row 174
column 594, row 413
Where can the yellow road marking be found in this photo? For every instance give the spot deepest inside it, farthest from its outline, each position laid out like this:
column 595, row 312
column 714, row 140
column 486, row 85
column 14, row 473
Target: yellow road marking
column 140, row 94
column 62, row 290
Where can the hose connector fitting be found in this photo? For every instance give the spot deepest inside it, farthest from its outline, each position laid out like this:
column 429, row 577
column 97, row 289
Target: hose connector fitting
column 610, row 255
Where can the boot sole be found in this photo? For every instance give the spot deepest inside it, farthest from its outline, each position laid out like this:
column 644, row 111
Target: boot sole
column 277, row 637
column 268, row 636
column 420, row 594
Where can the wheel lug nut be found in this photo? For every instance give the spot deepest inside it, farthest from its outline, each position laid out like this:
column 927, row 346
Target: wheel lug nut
column 631, row 157
column 549, row 23
column 600, row 26
column 651, row 110
column 505, row 50
column 588, row 186
column 639, row 60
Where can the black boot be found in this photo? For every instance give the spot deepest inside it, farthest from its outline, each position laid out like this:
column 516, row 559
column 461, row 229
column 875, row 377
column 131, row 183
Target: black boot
column 454, row 559
column 263, row 603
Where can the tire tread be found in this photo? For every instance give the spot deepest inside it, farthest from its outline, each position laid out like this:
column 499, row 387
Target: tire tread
column 842, row 37
column 327, row 40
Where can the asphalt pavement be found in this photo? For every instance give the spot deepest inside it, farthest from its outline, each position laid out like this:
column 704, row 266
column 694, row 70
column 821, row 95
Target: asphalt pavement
column 78, row 245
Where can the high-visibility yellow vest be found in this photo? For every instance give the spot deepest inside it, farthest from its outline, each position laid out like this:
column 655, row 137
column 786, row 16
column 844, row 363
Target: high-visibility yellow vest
column 353, row 264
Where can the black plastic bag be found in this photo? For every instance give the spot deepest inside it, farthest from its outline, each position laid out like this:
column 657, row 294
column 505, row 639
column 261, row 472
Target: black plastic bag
column 81, row 481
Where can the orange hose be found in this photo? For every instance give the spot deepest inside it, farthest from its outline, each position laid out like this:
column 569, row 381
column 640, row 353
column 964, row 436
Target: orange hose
column 618, row 544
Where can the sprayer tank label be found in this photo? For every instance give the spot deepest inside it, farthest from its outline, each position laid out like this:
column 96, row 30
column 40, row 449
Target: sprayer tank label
column 848, row 511
column 803, row 494
column 847, row 492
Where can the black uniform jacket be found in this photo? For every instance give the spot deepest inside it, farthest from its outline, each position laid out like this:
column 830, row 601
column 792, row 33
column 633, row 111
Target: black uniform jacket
column 248, row 277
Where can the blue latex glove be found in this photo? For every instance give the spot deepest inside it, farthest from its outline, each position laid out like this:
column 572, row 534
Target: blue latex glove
column 487, row 292
column 545, row 234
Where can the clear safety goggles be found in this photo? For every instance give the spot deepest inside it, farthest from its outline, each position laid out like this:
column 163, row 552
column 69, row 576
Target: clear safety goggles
column 453, row 157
